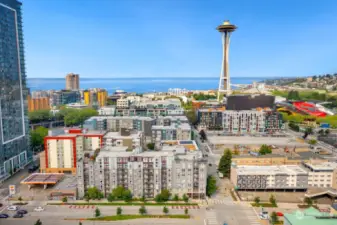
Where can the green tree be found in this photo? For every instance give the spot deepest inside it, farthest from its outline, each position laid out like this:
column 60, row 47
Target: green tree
column 74, row 117
column 143, row 199
column 176, row 197
column 185, row 198
column 293, row 95
column 38, row 222
column 150, row 146
column 274, row 217
column 39, row 116
column 312, row 141
column 94, row 193
column 19, row 198
column 163, row 196
column 210, row 186
column 142, row 210
column 321, row 132
column 308, row 201
column 127, row 196
column 327, row 132
column 225, row 163
column 120, row 193
column 192, row 116
column 272, row 200
column 65, row 199
column 257, row 200
column 309, row 130
column 119, row 211
column 265, row 149
column 37, row 137
column 97, row 212
column 165, row 210
column 186, row 211
column 80, row 223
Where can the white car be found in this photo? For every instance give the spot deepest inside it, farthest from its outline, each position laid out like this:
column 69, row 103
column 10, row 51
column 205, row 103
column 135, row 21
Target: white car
column 39, row 209
column 264, row 216
column 12, row 208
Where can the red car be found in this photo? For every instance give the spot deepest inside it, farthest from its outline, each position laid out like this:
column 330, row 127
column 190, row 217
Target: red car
column 279, row 214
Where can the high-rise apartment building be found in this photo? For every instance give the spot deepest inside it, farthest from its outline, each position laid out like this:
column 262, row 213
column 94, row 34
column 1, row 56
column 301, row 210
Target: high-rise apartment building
column 14, row 141
column 72, row 81
column 38, row 103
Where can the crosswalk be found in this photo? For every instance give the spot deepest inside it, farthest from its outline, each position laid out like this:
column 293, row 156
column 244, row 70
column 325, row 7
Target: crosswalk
column 211, row 218
column 221, row 202
column 252, row 217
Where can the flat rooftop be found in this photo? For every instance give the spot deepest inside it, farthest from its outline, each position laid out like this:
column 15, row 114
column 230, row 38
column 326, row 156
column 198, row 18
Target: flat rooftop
column 328, row 166
column 43, row 178
column 270, row 170
column 183, row 126
column 69, row 182
column 172, row 144
column 249, row 140
column 117, row 135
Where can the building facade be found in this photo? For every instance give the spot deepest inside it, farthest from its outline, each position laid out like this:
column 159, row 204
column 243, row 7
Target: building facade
column 284, row 177
column 240, row 122
column 123, row 103
column 62, row 151
column 72, row 82
column 172, row 132
column 144, row 173
column 95, row 98
column 311, row 173
column 14, row 134
column 65, row 97
column 245, row 121
column 41, row 103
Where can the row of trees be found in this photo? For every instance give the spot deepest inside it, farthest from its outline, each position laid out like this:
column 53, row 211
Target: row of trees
column 122, row 194
column 272, row 201
column 142, row 211
column 70, row 116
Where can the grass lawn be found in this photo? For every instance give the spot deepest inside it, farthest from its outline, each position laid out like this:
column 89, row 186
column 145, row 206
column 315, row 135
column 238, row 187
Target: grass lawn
column 131, row 217
column 127, row 203
column 264, row 204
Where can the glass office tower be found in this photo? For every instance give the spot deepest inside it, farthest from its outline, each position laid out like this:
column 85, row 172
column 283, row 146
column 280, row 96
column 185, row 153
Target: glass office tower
column 14, row 136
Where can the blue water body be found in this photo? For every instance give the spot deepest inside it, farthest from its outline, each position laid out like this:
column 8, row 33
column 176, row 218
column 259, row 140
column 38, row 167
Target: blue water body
column 139, row 85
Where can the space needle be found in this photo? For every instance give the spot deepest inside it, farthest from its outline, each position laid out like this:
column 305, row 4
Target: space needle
column 224, row 83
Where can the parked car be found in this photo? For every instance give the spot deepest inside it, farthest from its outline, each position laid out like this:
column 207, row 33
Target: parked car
column 3, row 216
column 18, row 215
column 264, row 215
column 33, row 168
column 279, row 214
column 22, row 211
column 12, row 208
column 39, row 209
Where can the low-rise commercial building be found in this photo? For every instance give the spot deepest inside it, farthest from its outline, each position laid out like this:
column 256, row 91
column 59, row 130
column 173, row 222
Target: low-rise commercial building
column 322, row 175
column 180, row 170
column 284, row 177
column 310, row 216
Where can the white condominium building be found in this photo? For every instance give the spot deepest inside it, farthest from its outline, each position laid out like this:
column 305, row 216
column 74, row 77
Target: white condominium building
column 180, row 170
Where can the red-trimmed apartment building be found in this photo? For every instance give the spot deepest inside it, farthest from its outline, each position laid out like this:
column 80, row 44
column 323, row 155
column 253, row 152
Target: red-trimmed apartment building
column 61, row 151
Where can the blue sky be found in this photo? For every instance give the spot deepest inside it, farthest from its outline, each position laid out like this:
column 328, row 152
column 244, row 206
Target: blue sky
column 177, row 38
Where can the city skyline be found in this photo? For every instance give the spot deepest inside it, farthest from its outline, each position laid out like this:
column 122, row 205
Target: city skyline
column 101, row 43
